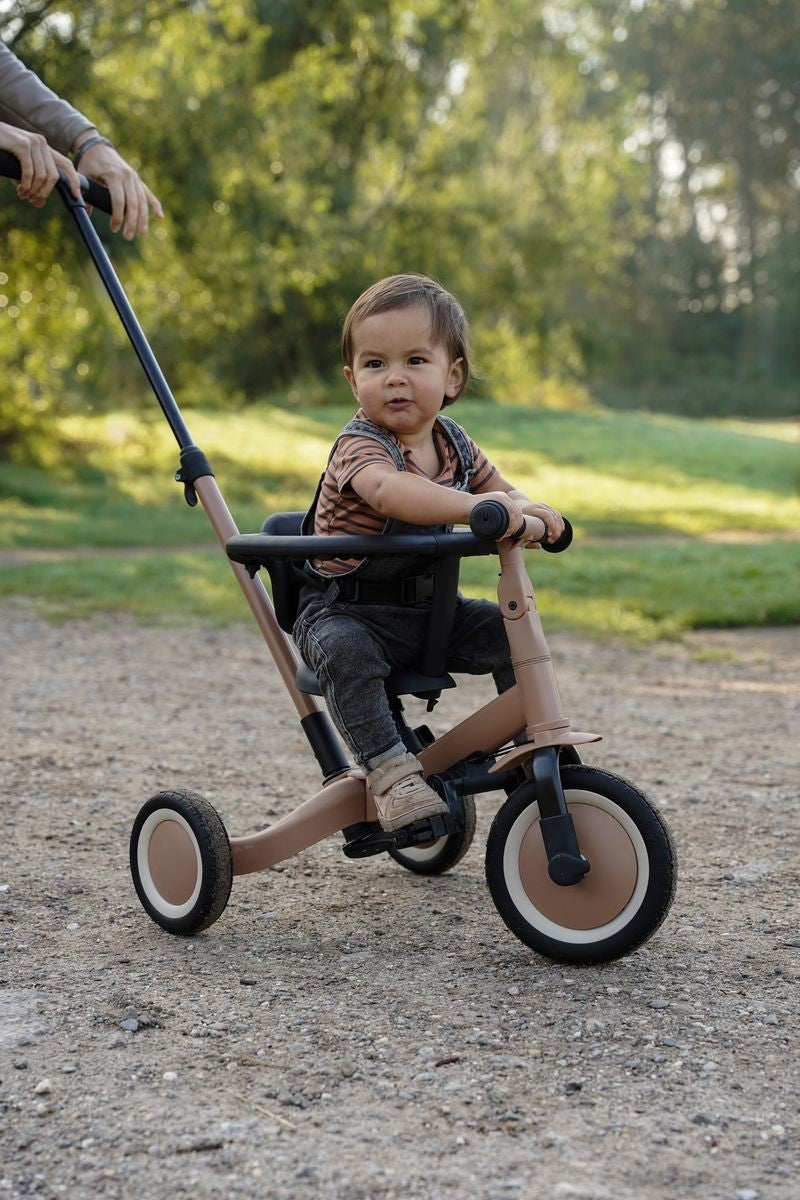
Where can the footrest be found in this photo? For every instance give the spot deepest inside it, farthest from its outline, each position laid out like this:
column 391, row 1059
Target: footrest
column 368, row 837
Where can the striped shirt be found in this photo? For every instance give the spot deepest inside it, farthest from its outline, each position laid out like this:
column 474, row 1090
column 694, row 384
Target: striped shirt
column 341, row 510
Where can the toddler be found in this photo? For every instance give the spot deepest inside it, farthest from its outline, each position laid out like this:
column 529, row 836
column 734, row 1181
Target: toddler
column 399, row 466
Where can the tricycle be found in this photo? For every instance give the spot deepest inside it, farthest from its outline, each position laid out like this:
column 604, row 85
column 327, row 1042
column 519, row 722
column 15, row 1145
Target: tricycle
column 579, row 864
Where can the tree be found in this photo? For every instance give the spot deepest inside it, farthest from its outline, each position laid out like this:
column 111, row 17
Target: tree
column 715, row 98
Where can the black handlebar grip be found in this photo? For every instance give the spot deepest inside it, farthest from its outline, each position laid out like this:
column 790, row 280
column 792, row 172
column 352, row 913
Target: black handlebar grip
column 94, row 193
column 9, row 165
column 560, row 543
column 489, row 520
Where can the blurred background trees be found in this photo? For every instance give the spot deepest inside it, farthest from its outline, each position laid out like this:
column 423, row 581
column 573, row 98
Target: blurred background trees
column 610, row 186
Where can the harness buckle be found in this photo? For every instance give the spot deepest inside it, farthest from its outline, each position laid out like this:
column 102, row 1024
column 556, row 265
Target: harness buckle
column 415, row 587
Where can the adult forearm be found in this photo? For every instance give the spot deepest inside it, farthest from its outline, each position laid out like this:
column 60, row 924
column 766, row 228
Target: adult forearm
column 27, row 103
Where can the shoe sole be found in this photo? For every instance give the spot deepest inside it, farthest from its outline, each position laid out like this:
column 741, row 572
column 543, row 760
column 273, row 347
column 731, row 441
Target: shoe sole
column 417, row 814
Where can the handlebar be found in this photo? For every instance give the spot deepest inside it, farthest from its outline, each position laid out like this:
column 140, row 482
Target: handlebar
column 256, row 549
column 490, row 518
column 93, row 193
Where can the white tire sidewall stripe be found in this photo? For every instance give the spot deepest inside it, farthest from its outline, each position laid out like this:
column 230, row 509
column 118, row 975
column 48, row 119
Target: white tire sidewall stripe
column 173, row 911
column 522, row 902
column 423, row 853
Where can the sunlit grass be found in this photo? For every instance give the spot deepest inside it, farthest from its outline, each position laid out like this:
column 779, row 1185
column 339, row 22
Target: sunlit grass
column 659, row 590
column 196, row 587
column 616, row 473
column 642, row 591
column 635, row 476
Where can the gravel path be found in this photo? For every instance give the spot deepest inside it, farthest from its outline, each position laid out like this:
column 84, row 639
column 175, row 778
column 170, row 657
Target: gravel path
column 349, row 1030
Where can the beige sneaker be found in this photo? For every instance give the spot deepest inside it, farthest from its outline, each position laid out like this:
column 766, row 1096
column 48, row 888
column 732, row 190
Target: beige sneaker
column 401, row 794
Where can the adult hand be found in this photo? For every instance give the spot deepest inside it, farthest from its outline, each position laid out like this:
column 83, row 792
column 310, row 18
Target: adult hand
column 39, row 164
column 131, row 199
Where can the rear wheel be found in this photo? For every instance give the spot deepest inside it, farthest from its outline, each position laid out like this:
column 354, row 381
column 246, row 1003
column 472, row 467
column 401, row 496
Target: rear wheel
column 442, row 853
column 181, row 861
column 626, row 894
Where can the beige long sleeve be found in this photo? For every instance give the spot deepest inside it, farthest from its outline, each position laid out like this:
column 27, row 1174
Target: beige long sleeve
column 27, row 103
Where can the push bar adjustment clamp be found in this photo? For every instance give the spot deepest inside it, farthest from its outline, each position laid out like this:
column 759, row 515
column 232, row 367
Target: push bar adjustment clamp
column 194, row 465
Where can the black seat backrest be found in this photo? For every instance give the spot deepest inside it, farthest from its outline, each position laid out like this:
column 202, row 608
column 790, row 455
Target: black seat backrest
column 283, row 573
column 286, row 579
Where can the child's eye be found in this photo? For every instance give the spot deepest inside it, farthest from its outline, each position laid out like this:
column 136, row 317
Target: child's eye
column 416, row 360
column 373, row 362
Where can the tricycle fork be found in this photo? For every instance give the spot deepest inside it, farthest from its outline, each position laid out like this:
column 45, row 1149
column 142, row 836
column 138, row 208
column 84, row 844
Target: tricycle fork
column 565, row 863
column 547, row 727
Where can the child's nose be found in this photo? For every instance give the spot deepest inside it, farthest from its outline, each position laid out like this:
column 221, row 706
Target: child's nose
column 397, row 374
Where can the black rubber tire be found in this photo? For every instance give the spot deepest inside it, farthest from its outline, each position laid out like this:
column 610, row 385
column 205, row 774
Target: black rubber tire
column 205, row 832
column 654, row 856
column 445, row 852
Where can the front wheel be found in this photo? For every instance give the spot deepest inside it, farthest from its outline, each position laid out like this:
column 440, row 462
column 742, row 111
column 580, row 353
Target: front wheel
column 626, row 894
column 181, row 861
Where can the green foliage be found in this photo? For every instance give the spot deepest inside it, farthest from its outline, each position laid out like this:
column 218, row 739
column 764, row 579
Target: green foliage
column 714, row 90
column 704, row 396
column 610, row 188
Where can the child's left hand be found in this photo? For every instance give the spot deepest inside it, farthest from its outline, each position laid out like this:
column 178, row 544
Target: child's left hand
column 554, row 522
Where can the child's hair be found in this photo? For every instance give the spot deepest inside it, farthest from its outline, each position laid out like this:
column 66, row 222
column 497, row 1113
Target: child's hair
column 448, row 323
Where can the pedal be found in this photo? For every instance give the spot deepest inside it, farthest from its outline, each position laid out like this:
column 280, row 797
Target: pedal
column 369, row 838
column 365, row 839
column 426, row 830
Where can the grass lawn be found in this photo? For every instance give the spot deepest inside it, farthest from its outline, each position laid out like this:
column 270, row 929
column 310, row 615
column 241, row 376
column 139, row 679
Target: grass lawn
column 679, row 523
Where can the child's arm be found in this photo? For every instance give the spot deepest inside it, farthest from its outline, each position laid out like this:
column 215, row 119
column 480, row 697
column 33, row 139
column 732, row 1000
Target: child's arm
column 408, row 497
column 553, row 520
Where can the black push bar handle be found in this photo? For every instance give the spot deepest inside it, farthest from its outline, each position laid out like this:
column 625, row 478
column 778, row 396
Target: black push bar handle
column 93, row 193
column 98, row 195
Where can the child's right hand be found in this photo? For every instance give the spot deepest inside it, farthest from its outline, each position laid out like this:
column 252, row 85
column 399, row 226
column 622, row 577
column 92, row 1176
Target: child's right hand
column 516, row 516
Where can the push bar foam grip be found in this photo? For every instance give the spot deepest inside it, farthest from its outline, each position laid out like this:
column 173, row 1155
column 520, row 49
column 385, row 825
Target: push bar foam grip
column 93, row 193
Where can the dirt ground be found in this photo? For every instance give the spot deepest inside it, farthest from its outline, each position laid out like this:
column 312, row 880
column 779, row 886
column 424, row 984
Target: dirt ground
column 350, row 1030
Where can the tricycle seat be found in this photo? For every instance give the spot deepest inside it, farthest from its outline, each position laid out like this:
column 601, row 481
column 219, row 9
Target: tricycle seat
column 286, row 582
column 398, row 683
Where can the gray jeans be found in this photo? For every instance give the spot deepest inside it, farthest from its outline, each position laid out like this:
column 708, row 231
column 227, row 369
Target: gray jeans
column 351, row 648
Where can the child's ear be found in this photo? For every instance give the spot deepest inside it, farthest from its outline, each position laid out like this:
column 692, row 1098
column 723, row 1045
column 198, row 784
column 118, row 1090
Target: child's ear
column 455, row 379
column 351, row 379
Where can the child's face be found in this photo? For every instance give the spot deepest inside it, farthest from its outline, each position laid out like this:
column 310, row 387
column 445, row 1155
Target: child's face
column 400, row 375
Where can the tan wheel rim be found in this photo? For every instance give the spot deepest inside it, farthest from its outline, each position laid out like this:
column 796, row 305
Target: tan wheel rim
column 606, row 898
column 170, row 867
